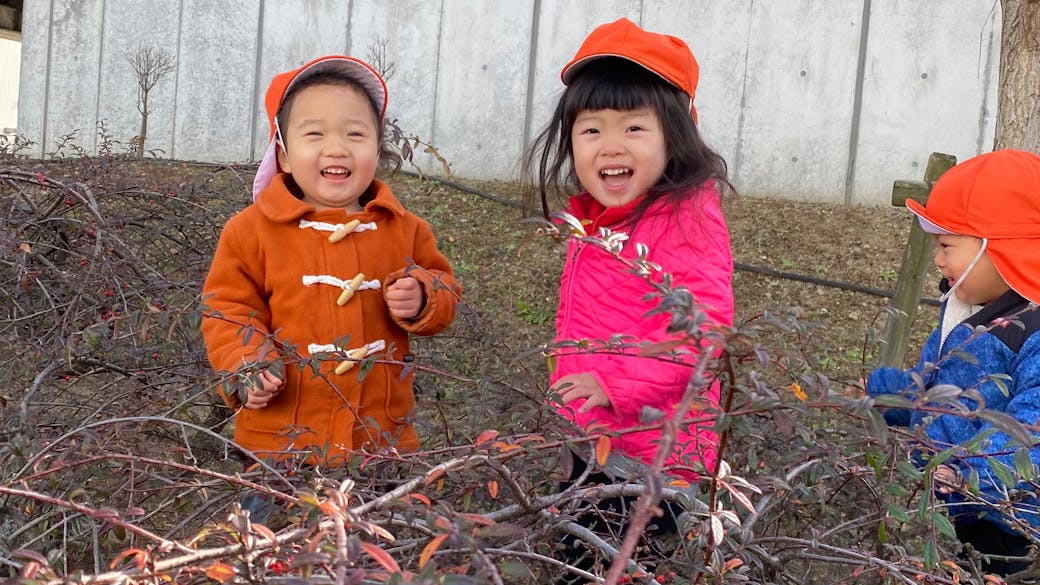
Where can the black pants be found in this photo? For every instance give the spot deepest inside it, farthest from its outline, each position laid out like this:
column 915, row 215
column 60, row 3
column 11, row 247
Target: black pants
column 609, row 518
column 988, row 538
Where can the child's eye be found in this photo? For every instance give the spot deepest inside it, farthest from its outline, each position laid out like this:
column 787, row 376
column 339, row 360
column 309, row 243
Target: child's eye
column 313, row 133
column 634, row 128
column 589, row 131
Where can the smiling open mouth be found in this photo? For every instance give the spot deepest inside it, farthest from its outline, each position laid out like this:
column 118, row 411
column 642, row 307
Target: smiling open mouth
column 615, row 172
column 335, row 173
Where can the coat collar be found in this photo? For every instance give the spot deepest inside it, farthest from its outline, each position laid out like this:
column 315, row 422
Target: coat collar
column 278, row 204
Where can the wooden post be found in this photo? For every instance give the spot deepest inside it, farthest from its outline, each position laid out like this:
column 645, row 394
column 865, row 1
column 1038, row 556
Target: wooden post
column 916, row 260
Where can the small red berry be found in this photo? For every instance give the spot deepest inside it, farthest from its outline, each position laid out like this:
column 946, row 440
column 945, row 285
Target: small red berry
column 278, row 567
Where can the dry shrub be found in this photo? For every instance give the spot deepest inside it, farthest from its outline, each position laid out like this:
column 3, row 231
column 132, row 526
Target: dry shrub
column 115, row 464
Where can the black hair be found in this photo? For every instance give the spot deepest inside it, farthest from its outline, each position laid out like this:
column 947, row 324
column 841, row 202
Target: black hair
column 619, row 84
column 389, row 159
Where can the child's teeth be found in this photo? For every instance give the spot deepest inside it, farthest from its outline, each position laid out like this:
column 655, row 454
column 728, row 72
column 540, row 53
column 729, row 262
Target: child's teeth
column 614, row 171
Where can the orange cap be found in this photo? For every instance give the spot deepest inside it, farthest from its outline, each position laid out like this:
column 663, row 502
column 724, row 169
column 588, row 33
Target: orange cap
column 355, row 69
column 665, row 55
column 994, row 196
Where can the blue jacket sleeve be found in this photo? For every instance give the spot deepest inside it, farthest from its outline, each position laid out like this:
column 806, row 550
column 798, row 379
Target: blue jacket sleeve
column 894, row 381
column 891, row 381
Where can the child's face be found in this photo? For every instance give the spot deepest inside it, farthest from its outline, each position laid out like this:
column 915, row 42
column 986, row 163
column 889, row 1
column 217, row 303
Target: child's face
column 983, row 283
column 331, row 146
column 618, row 155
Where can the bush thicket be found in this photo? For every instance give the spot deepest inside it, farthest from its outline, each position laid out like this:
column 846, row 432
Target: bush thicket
column 115, row 462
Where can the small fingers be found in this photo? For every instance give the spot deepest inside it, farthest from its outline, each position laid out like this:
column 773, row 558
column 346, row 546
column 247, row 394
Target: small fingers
column 270, row 381
column 406, row 283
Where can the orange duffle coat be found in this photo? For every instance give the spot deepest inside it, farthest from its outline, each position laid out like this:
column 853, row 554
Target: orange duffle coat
column 271, row 295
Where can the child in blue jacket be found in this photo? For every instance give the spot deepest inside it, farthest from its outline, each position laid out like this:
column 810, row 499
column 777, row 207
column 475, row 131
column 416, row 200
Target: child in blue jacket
column 985, row 217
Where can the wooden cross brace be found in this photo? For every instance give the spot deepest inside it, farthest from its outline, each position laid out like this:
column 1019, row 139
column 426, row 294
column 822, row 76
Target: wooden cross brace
column 917, row 258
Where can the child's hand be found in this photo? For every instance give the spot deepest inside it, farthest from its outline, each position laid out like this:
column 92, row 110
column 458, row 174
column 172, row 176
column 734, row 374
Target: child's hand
column 266, row 388
column 946, row 479
column 583, row 385
column 404, row 298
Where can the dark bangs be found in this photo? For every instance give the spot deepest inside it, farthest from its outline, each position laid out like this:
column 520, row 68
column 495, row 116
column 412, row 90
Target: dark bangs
column 612, row 84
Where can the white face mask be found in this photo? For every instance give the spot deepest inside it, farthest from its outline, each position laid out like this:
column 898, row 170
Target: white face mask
column 964, row 274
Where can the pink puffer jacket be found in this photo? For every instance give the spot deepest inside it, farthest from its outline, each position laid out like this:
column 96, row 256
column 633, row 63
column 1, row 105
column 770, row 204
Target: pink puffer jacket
column 599, row 298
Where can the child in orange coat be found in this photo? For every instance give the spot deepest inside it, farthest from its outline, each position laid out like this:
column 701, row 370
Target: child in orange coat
column 324, row 271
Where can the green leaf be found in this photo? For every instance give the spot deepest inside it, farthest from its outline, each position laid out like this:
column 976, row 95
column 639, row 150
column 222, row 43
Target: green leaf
column 899, row 513
column 940, row 458
column 1024, row 465
column 930, row 554
column 941, row 392
column 1000, row 380
column 893, row 401
column 515, row 570
column 1003, row 472
column 872, row 462
column 1009, row 425
column 878, row 426
column 942, row 524
column 971, row 359
column 897, row 490
column 882, row 532
column 924, row 504
column 909, row 469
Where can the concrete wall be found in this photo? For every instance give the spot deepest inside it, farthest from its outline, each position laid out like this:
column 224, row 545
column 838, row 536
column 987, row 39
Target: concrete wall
column 813, row 99
column 10, row 63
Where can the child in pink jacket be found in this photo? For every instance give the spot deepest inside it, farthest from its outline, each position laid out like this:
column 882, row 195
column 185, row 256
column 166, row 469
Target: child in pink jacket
column 624, row 136
column 626, row 125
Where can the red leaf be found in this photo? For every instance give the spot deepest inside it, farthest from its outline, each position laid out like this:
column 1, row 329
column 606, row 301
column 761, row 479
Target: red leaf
column 381, row 557
column 220, row 572
column 429, row 549
column 602, row 450
column 486, row 436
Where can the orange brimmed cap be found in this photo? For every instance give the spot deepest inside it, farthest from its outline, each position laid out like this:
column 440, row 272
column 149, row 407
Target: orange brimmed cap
column 665, row 55
column 995, row 196
column 355, row 69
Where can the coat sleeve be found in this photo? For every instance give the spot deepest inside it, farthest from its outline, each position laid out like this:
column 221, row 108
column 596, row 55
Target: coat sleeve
column 701, row 261
column 236, row 316
column 434, row 274
column 887, row 380
column 1024, row 407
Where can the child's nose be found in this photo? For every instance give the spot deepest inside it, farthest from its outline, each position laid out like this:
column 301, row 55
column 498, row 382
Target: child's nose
column 336, row 146
column 612, row 146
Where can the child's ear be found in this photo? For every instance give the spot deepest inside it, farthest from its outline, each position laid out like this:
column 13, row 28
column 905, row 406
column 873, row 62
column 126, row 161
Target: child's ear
column 283, row 160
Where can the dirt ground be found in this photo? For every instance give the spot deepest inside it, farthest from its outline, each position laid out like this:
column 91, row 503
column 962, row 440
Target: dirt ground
column 512, row 275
